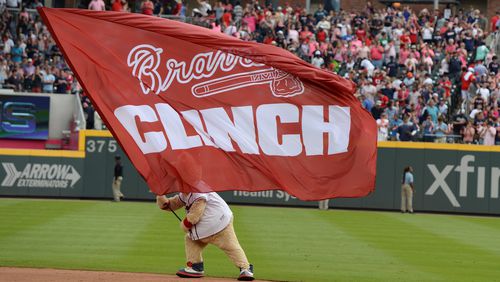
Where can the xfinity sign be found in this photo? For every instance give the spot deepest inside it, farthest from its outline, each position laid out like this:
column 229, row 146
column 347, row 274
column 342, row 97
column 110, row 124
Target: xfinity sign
column 37, row 175
column 465, row 170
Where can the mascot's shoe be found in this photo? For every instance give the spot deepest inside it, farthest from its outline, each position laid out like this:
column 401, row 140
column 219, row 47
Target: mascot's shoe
column 246, row 274
column 193, row 270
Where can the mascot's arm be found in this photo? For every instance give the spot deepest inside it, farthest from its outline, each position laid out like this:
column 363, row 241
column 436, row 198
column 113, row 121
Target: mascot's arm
column 195, row 213
column 172, row 203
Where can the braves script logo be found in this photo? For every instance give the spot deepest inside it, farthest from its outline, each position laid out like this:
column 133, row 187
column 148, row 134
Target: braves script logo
column 40, row 176
column 145, row 59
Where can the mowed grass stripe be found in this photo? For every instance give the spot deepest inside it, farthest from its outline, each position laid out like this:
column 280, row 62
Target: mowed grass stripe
column 284, row 243
column 372, row 262
column 158, row 246
column 488, row 222
column 313, row 246
column 447, row 259
column 481, row 233
column 18, row 215
column 92, row 235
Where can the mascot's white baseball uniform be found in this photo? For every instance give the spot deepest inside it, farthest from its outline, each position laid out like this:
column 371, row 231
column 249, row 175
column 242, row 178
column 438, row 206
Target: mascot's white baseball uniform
column 208, row 220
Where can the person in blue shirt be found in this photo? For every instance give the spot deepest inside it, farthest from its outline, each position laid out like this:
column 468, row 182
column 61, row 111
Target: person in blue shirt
column 433, row 111
column 428, row 129
column 366, row 103
column 17, row 53
column 394, row 123
column 407, row 190
column 391, row 110
column 440, row 130
column 406, row 14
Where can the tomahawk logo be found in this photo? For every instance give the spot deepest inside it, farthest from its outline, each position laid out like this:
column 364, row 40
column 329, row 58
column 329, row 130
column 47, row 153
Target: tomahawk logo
column 40, row 176
column 145, row 59
column 464, row 169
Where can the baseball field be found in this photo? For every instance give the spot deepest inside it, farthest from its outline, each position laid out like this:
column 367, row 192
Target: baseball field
column 285, row 244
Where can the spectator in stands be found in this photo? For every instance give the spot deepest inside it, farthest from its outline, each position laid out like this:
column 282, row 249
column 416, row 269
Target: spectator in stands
column 34, row 82
column 13, row 3
column 48, row 80
column 468, row 133
column 428, row 129
column 320, row 13
column 147, row 7
column 406, row 129
column 119, row 6
column 377, row 110
column 441, row 130
column 493, row 66
column 29, row 68
column 494, row 20
column 383, row 127
column 402, row 58
column 317, row 60
column 443, row 108
column 488, row 133
column 394, row 124
column 481, row 52
column 497, row 127
column 366, row 103
column 17, row 53
column 97, row 5
column 432, row 111
column 14, row 81
column 204, row 7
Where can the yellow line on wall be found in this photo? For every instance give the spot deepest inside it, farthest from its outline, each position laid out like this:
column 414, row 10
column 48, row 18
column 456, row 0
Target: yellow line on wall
column 43, row 153
column 83, row 134
column 81, row 141
column 97, row 133
column 437, row 146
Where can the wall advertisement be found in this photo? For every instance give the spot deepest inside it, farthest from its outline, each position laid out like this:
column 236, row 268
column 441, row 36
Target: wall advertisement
column 446, row 179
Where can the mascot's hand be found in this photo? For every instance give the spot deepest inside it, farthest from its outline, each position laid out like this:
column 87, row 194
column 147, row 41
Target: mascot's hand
column 186, row 225
column 162, row 202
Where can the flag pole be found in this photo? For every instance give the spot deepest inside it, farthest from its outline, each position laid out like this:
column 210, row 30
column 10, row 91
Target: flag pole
column 175, row 214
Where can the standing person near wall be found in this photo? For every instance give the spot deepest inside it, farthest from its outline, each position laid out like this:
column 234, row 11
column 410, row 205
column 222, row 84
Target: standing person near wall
column 117, row 180
column 407, row 190
column 323, row 204
column 97, row 121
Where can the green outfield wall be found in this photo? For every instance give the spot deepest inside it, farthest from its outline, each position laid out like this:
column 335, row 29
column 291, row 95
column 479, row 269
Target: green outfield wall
column 448, row 177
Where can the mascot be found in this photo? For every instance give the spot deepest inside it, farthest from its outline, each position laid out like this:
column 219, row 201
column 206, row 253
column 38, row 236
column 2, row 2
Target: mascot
column 208, row 220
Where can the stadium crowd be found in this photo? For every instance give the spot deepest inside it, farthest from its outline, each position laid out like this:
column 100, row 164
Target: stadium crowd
column 428, row 76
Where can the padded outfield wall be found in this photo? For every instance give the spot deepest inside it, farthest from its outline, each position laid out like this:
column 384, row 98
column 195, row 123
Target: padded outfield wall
column 448, row 177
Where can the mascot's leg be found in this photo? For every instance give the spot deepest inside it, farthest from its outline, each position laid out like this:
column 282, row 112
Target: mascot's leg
column 194, row 268
column 227, row 241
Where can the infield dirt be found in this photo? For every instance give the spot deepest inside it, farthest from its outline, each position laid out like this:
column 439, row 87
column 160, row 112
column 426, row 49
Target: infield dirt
column 14, row 274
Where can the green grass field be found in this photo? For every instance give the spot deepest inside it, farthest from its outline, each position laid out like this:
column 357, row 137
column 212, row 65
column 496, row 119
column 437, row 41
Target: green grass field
column 289, row 244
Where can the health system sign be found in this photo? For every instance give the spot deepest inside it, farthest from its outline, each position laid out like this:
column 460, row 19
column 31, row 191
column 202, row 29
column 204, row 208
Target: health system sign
column 271, row 197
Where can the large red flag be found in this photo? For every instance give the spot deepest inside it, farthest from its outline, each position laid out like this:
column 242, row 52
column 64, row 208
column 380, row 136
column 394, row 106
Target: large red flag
column 199, row 111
